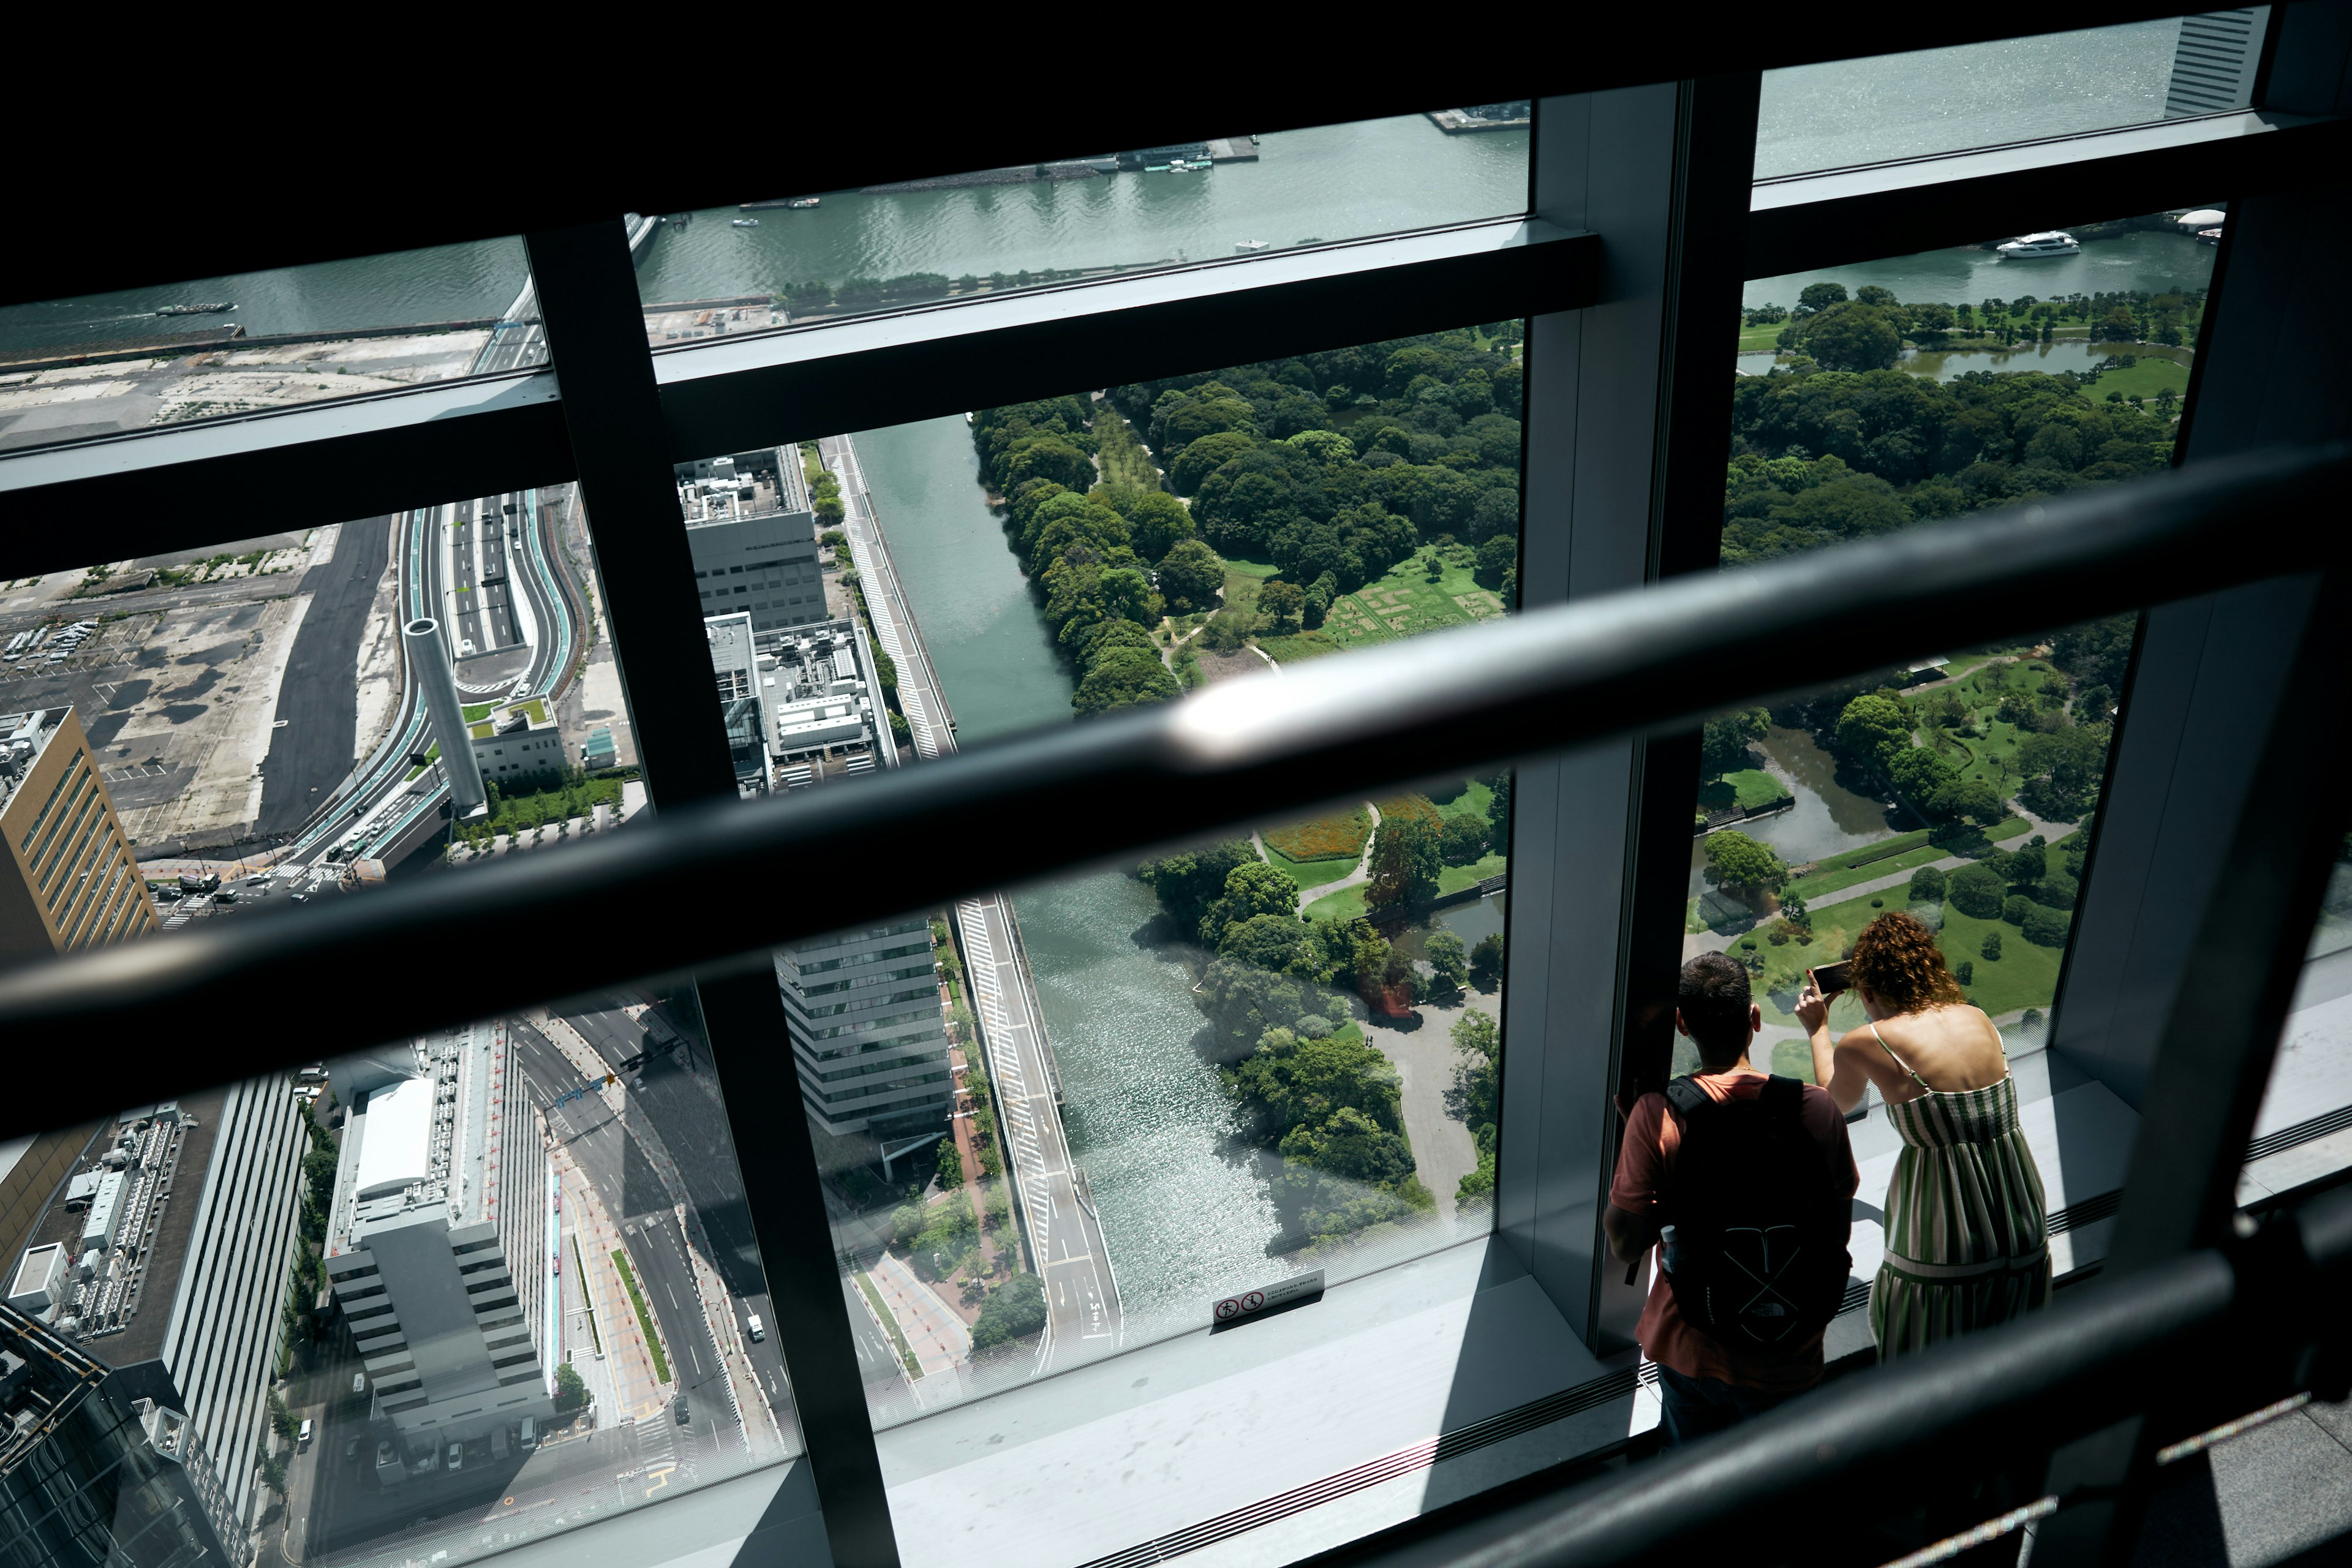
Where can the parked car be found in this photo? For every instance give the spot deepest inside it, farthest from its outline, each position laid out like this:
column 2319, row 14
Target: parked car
column 457, row 1457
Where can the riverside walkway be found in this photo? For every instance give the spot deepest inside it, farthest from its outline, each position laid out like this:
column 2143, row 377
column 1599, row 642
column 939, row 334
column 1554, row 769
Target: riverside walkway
column 1065, row 1239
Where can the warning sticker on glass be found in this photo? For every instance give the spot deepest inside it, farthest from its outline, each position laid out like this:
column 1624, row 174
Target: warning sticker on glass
column 1249, row 1304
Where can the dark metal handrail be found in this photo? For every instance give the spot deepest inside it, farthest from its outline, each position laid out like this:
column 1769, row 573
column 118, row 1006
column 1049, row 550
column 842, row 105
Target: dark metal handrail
column 720, row 885
column 1793, row 1483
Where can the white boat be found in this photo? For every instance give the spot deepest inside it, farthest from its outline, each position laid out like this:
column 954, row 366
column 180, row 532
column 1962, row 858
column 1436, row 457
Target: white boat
column 1250, row 246
column 2209, row 237
column 742, row 223
column 2050, row 242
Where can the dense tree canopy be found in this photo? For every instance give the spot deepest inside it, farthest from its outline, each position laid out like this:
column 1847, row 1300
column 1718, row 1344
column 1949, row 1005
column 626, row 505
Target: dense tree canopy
column 1821, row 457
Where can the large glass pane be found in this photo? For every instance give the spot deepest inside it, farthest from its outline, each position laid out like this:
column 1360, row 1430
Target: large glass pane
column 109, row 363
column 1962, row 788
column 421, row 1301
column 810, row 255
column 1070, row 1119
column 1887, row 107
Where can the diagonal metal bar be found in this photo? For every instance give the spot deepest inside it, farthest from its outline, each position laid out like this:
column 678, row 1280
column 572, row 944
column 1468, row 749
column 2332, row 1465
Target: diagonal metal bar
column 1639, row 662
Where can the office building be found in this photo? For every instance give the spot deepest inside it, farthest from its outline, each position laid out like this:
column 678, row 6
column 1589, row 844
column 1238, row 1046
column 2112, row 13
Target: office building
column 70, row 880
column 516, row 741
column 441, row 1243
column 2213, row 64
column 167, row 1255
column 97, row 1469
column 753, row 537
column 869, row 1040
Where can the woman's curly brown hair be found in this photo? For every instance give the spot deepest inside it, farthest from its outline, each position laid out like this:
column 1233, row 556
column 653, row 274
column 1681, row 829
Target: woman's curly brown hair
column 1897, row 958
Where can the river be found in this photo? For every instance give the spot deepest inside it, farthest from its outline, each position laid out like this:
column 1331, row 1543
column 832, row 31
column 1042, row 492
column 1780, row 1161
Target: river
column 1186, row 1214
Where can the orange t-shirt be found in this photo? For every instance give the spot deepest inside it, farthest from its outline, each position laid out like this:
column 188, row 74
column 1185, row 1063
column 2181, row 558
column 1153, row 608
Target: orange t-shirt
column 1645, row 1163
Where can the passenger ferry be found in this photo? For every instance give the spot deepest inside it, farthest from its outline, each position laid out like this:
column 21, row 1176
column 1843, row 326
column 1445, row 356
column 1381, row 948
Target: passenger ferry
column 2053, row 242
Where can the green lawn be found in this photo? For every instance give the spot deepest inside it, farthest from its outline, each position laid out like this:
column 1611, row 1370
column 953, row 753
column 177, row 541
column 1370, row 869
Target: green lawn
column 2145, row 379
column 1405, row 602
column 1746, row 789
column 1309, row 873
column 1260, row 569
column 1477, row 800
column 473, row 711
column 1298, row 646
column 1990, row 755
column 1843, row 873
column 2023, row 976
column 1344, row 905
column 1752, row 338
column 1454, row 878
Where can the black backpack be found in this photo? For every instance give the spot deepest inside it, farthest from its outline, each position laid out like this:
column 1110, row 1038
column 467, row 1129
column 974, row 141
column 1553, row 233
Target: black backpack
column 1761, row 1226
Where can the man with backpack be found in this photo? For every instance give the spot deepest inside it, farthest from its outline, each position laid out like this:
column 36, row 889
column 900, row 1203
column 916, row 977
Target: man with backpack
column 1745, row 1182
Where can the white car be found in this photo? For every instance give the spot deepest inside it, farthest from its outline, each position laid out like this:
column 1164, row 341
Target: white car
column 457, row 1456
column 466, row 648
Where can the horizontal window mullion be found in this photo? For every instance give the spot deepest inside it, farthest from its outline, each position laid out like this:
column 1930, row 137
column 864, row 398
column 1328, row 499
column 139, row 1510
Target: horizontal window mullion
column 161, row 490
column 857, row 375
column 1924, row 203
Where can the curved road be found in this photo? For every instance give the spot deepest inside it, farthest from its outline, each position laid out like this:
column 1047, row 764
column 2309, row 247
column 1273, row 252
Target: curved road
column 383, row 799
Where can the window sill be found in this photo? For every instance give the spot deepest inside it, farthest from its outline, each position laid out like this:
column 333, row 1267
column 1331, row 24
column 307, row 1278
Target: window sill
column 1273, row 1442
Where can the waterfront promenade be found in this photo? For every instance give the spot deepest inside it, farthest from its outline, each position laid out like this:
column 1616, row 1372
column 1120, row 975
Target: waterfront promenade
column 1064, row 1239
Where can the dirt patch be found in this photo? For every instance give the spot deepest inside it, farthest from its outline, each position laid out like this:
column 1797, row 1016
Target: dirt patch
column 1216, row 666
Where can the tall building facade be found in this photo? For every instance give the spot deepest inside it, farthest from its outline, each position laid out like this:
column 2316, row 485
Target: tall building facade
column 2213, row 64
column 97, row 1471
column 167, row 1257
column 752, row 534
column 870, row 1041
column 70, row 880
column 441, row 1243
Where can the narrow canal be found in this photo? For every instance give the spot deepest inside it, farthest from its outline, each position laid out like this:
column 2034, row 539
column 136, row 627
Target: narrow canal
column 1187, row 1216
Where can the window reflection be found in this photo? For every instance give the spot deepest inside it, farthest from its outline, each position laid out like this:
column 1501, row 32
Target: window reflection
column 819, row 255
column 1845, row 112
column 1961, row 787
column 142, row 358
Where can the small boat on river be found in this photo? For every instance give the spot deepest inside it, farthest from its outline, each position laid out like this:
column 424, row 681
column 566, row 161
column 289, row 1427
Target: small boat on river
column 2029, row 247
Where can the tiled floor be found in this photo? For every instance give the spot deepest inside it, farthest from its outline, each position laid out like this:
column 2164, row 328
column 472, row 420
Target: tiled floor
column 2280, row 1493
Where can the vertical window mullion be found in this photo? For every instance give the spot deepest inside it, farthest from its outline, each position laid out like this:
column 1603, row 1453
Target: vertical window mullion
column 595, row 327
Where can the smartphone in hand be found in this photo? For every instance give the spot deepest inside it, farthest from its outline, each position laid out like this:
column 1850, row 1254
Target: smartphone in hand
column 1831, row 978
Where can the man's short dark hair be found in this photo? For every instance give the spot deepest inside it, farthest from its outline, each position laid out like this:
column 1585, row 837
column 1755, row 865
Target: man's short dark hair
column 1714, row 998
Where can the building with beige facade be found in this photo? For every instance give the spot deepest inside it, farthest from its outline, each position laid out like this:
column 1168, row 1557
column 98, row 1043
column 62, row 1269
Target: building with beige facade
column 67, row 879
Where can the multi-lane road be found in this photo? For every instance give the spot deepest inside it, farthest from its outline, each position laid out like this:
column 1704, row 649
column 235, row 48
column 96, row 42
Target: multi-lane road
column 384, row 803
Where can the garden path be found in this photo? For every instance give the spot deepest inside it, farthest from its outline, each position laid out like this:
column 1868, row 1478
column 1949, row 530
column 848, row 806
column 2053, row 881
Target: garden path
column 1355, row 879
column 1442, row 1150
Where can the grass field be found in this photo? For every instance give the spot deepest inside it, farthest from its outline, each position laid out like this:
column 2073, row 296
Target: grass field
column 1308, row 873
column 1340, row 836
column 1454, row 878
column 1841, row 872
column 1753, row 337
column 1405, row 602
column 1747, row 789
column 645, row 1315
column 1300, row 646
column 1344, row 905
column 2145, row 379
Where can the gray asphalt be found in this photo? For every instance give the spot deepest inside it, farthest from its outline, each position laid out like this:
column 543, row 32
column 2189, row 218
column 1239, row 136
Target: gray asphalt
column 318, row 702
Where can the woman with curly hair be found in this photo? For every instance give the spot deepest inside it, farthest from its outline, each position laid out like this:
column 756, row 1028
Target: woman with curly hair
column 1967, row 1239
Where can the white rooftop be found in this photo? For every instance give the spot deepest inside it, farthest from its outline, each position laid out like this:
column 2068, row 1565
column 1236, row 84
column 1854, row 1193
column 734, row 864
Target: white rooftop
column 397, row 1147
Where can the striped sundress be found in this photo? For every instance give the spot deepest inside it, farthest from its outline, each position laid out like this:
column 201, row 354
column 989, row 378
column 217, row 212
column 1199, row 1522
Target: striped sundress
column 1968, row 1242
